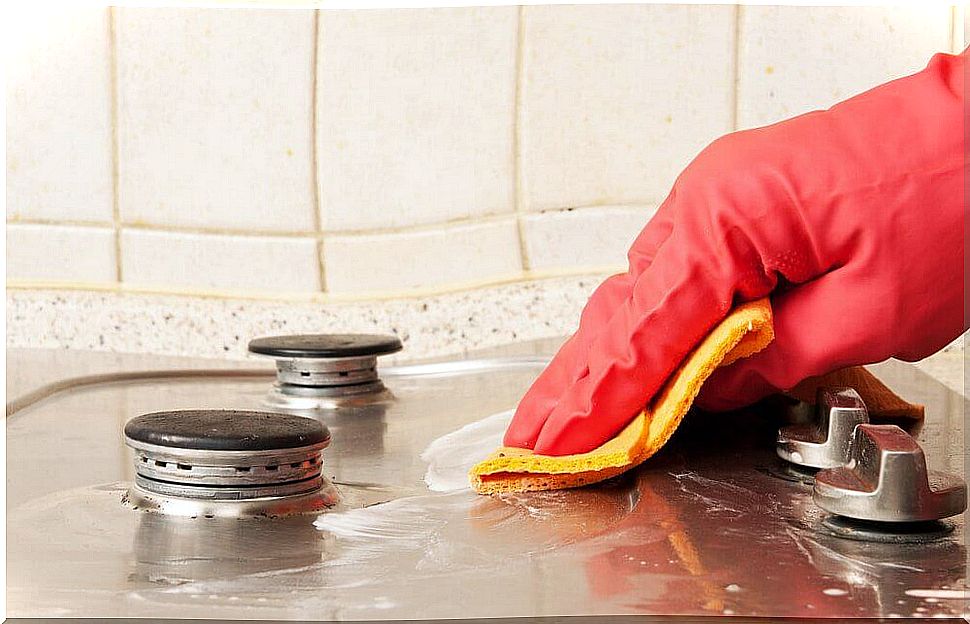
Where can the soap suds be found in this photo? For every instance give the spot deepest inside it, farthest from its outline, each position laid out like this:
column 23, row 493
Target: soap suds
column 451, row 456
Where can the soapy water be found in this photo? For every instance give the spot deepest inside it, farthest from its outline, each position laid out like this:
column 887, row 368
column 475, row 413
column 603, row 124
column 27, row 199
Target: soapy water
column 451, row 456
column 405, row 550
column 935, row 595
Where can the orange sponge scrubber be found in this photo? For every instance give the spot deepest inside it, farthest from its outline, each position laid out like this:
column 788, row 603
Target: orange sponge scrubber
column 744, row 332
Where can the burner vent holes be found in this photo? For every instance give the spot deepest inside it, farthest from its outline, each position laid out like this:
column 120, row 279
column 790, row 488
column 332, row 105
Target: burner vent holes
column 308, row 463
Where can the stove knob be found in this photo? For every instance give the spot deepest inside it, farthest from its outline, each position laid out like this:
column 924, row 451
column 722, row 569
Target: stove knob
column 824, row 443
column 887, row 481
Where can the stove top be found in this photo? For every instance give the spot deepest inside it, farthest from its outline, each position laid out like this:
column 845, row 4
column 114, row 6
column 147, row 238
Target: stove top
column 715, row 524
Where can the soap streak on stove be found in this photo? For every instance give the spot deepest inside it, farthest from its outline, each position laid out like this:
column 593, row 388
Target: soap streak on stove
column 451, row 456
column 722, row 496
column 439, row 535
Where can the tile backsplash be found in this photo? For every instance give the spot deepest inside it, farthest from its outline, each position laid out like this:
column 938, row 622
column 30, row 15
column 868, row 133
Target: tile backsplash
column 302, row 153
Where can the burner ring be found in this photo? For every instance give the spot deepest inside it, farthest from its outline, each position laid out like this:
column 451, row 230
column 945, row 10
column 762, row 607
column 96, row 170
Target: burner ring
column 225, row 455
column 886, row 532
column 329, row 373
column 219, row 468
column 183, row 491
column 314, row 369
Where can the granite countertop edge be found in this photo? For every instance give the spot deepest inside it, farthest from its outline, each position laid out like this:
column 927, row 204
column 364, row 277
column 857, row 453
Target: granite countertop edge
column 174, row 327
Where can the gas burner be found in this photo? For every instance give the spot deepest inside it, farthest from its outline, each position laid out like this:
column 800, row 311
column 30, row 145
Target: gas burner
column 207, row 463
column 324, row 370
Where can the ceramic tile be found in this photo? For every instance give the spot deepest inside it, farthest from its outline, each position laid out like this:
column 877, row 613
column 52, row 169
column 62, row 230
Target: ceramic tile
column 59, row 158
column 415, row 114
column 585, row 238
column 215, row 117
column 797, row 59
column 211, row 262
column 57, row 253
column 437, row 257
column 617, row 99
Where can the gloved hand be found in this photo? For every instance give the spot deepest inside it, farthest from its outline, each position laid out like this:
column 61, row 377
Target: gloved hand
column 851, row 219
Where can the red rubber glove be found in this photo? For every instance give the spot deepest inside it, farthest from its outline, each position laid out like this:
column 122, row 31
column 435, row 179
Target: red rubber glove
column 851, row 219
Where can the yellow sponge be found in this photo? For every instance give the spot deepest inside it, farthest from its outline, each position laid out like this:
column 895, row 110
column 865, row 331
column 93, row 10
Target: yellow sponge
column 744, row 332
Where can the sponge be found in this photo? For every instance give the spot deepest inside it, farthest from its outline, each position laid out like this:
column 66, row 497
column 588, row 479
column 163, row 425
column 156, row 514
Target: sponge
column 745, row 331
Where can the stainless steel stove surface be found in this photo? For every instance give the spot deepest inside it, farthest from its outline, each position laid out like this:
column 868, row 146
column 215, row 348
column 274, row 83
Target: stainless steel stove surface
column 715, row 524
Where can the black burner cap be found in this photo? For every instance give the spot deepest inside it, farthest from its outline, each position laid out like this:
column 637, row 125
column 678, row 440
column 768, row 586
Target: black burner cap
column 226, row 430
column 325, row 345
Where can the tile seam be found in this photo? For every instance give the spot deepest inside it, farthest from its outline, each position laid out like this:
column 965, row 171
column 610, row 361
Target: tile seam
column 115, row 147
column 315, row 155
column 424, row 227
column 736, row 83
column 518, row 79
column 78, row 223
column 957, row 35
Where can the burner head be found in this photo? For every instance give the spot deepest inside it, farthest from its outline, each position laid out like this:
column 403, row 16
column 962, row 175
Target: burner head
column 226, row 430
column 326, row 345
column 225, row 462
column 312, row 370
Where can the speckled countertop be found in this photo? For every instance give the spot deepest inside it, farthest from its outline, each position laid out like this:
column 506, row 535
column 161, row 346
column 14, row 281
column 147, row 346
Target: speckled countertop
column 447, row 324
column 433, row 326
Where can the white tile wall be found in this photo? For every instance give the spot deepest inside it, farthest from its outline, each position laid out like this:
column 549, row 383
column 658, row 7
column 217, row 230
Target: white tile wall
column 422, row 259
column 57, row 253
column 58, row 114
column 159, row 260
column 215, row 117
column 415, row 117
column 793, row 60
column 617, row 99
column 595, row 237
column 452, row 146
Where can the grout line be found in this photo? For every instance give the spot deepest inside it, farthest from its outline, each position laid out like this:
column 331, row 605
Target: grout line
column 314, row 154
column 957, row 35
column 737, row 67
column 115, row 169
column 578, row 210
column 517, row 190
column 426, row 227
column 953, row 29
column 60, row 222
column 525, row 278
column 216, row 231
